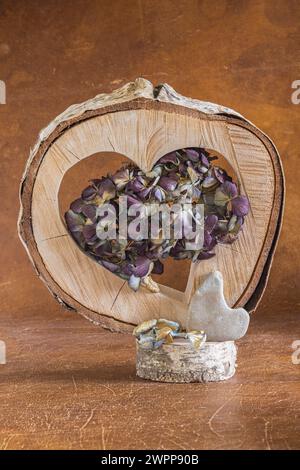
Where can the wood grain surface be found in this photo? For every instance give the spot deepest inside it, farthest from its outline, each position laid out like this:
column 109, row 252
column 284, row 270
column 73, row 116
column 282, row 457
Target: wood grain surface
column 68, row 384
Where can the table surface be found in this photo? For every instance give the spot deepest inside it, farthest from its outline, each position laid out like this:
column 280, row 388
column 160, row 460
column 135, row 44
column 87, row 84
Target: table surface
column 68, row 383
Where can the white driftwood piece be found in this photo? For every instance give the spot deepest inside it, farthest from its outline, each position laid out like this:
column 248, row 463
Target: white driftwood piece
column 144, row 124
column 181, row 363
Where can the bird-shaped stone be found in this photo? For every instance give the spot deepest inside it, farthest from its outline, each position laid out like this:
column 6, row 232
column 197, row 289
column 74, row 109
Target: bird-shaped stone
column 208, row 311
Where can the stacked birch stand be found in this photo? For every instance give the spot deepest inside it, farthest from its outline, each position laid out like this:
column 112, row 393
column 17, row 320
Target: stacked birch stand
column 144, row 123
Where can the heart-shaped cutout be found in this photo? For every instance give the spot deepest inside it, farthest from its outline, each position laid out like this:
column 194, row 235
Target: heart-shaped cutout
column 186, row 176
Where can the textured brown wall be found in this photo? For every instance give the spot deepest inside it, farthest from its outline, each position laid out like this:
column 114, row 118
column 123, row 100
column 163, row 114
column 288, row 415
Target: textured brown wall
column 243, row 54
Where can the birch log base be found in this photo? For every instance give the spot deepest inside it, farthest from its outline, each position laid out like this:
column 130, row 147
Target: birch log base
column 143, row 123
column 179, row 362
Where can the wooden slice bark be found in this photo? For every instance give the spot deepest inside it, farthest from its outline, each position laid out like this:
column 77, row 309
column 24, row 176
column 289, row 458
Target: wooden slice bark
column 181, row 363
column 144, row 123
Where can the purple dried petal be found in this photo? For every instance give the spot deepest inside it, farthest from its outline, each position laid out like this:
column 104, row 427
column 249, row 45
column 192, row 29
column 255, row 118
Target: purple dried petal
column 135, row 185
column 240, row 206
column 203, row 255
column 210, row 222
column 158, row 267
column 213, row 243
column 145, row 193
column 192, row 155
column 169, row 158
column 89, row 232
column 96, row 183
column 207, row 242
column 182, row 169
column 110, row 266
column 159, row 194
column 174, row 175
column 77, row 205
column 103, row 249
column 220, row 175
column 167, row 183
column 154, row 252
column 142, row 266
column 121, row 178
column 209, row 182
column 230, row 189
column 90, row 212
column 225, row 193
column 89, row 193
column 140, row 247
column 127, row 269
column 131, row 200
column 107, row 189
column 79, row 238
column 75, row 222
column 204, row 159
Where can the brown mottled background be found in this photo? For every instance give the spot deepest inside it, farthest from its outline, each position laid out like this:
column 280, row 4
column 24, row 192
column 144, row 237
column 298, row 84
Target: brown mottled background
column 243, row 54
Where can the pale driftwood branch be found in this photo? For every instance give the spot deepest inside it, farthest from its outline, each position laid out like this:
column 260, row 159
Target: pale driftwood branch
column 144, row 122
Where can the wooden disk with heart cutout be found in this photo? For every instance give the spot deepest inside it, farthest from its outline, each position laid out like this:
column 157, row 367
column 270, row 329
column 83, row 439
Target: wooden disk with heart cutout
column 144, row 123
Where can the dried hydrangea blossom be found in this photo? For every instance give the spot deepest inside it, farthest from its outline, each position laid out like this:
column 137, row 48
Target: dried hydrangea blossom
column 184, row 176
